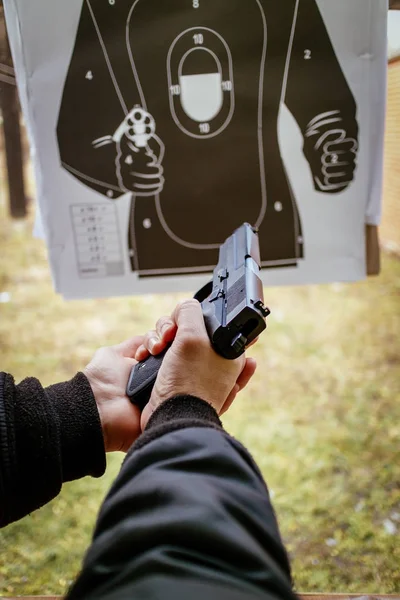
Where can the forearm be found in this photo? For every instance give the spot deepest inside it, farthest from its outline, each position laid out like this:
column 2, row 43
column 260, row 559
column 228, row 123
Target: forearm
column 316, row 83
column 92, row 105
column 47, row 436
column 189, row 510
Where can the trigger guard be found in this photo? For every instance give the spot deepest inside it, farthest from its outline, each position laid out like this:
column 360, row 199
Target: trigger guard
column 204, row 292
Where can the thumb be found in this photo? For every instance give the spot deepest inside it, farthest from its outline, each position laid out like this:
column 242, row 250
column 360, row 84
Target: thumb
column 189, row 320
column 128, row 145
column 154, row 149
column 151, row 156
column 129, row 347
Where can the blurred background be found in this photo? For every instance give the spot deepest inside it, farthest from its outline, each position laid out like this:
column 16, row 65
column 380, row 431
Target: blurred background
column 321, row 416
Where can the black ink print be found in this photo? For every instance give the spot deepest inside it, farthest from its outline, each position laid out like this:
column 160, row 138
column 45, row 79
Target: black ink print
column 177, row 103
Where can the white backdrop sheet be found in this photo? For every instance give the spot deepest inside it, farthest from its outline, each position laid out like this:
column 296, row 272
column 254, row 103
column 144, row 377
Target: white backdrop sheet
column 158, row 127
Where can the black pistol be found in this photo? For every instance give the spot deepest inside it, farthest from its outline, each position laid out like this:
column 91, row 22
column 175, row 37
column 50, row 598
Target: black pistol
column 232, row 305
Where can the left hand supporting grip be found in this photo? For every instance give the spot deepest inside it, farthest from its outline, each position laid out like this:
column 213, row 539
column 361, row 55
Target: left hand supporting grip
column 142, row 379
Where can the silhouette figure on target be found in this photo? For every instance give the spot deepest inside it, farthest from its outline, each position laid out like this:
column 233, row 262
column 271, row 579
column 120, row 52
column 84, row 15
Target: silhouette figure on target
column 177, row 103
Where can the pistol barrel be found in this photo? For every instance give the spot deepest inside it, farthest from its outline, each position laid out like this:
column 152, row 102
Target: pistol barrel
column 234, row 313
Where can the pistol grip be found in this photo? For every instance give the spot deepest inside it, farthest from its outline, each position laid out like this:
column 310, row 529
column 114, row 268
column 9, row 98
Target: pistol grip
column 142, row 379
column 143, row 375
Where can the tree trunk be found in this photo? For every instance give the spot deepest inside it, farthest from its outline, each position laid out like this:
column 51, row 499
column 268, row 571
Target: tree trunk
column 10, row 109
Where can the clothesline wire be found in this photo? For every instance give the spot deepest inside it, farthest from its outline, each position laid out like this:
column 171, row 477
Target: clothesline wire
column 7, row 69
column 7, row 74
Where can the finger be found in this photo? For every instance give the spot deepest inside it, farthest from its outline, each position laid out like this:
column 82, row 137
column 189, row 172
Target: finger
column 333, row 172
column 346, row 159
column 166, row 329
column 141, row 353
column 127, row 146
column 156, row 148
column 152, row 161
column 332, row 188
column 146, row 194
column 340, row 179
column 230, row 399
column 129, row 347
column 248, row 371
column 338, row 158
column 151, row 172
column 147, row 187
column 338, row 175
column 153, row 343
column 334, row 135
column 334, row 160
column 347, row 145
column 253, row 342
column 189, row 319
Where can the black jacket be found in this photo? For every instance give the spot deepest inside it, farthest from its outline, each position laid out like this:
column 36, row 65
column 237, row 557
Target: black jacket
column 47, row 436
column 189, row 515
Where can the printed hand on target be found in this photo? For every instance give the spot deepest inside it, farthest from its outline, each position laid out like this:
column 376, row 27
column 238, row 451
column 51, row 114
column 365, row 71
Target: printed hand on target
column 139, row 155
column 331, row 151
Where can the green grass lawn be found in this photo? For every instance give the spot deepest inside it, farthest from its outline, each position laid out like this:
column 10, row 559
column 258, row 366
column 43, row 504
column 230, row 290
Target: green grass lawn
column 321, row 417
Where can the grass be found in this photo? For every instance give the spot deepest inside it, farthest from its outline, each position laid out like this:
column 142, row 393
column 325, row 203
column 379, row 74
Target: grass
column 321, row 417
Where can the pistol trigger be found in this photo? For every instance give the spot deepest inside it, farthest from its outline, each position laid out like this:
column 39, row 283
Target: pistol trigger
column 239, row 343
column 216, row 295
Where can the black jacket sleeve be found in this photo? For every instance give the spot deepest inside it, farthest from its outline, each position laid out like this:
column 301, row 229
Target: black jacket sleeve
column 47, row 436
column 189, row 516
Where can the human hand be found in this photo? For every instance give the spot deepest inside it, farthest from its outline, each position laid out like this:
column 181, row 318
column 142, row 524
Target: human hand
column 191, row 366
column 108, row 373
column 138, row 167
column 331, row 152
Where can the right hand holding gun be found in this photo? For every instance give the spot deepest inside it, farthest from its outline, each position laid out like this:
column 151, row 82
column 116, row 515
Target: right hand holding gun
column 191, row 366
column 138, row 169
column 139, row 156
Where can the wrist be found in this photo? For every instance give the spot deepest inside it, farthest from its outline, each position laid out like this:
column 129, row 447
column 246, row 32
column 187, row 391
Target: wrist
column 101, row 405
column 168, row 401
column 183, row 407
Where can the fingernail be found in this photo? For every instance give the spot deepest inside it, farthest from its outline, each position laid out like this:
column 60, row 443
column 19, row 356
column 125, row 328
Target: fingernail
column 165, row 328
column 152, row 344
